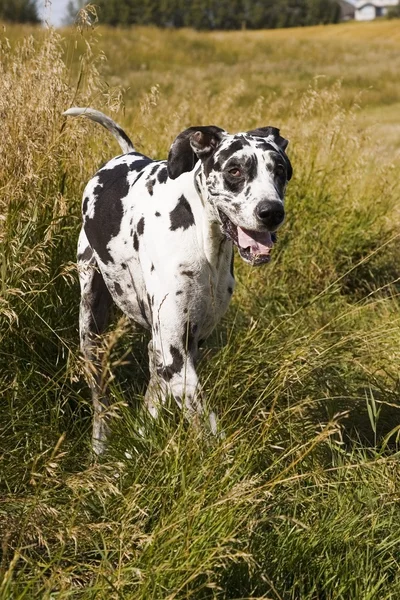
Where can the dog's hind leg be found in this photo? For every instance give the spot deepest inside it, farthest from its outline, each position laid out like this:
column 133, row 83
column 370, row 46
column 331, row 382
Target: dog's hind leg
column 93, row 320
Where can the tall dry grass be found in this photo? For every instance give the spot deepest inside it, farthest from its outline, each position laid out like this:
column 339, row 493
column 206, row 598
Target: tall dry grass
column 300, row 500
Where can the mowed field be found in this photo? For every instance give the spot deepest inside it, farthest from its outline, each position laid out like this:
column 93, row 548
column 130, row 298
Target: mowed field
column 301, row 499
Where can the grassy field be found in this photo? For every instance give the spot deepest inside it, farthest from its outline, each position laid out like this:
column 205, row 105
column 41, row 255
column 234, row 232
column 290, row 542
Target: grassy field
column 300, row 501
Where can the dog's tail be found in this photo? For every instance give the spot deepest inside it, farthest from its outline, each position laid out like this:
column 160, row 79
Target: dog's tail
column 119, row 134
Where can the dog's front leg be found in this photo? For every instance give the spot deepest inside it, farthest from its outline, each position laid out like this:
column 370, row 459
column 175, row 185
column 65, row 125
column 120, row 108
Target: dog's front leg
column 172, row 372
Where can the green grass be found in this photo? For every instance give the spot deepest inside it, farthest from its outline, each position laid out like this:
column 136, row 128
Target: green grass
column 300, row 500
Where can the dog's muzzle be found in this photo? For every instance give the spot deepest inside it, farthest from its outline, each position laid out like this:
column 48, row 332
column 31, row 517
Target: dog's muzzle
column 254, row 246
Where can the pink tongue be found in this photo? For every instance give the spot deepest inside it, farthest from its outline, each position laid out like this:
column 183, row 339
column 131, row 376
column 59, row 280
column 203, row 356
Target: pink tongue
column 259, row 242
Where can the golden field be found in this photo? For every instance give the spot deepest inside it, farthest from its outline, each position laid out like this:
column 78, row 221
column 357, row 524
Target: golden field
column 300, row 501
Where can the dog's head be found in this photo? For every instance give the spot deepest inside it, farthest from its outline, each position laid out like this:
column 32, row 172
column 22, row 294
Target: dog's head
column 246, row 176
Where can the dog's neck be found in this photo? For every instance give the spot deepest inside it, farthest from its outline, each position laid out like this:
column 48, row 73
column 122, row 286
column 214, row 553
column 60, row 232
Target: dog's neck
column 214, row 242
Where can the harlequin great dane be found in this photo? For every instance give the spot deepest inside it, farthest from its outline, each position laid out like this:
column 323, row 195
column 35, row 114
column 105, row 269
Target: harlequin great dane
column 157, row 239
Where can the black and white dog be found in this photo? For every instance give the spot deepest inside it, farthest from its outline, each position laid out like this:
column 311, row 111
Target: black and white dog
column 157, row 239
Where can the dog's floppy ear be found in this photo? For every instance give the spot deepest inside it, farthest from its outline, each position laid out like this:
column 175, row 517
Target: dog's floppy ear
column 280, row 141
column 190, row 145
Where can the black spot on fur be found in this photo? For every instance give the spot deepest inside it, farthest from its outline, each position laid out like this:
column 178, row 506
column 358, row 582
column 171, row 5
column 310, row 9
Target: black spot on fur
column 85, row 205
column 140, row 226
column 162, row 175
column 158, row 214
column 124, row 266
column 118, row 288
column 181, row 216
column 139, row 165
column 86, row 254
column 150, row 186
column 169, row 371
column 112, row 186
column 154, row 170
column 142, row 308
column 102, row 300
column 250, row 165
column 152, row 267
column 188, row 273
column 211, row 164
column 230, row 290
column 179, row 292
column 226, row 153
column 136, row 242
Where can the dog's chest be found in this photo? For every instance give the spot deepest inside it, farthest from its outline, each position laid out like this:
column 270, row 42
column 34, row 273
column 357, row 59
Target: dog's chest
column 171, row 284
column 203, row 293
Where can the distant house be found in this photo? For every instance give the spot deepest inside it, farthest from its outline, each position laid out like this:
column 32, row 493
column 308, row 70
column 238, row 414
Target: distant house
column 367, row 10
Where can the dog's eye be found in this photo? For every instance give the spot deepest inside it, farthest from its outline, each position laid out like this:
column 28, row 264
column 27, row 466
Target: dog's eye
column 235, row 172
column 280, row 171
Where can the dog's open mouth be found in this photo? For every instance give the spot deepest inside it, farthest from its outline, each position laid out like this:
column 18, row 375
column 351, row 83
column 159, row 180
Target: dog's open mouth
column 254, row 246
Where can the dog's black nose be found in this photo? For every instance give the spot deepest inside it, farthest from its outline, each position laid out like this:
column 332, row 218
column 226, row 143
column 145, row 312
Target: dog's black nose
column 271, row 213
